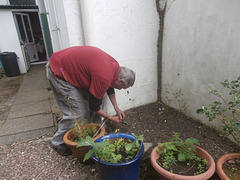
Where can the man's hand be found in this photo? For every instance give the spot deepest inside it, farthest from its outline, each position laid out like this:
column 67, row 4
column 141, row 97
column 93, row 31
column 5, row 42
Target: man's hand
column 120, row 113
column 115, row 119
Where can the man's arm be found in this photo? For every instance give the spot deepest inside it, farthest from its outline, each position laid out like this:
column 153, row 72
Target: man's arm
column 94, row 105
column 107, row 116
column 119, row 112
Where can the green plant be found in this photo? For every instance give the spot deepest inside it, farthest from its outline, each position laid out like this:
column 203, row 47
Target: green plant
column 227, row 109
column 118, row 151
column 177, row 96
column 179, row 150
column 82, row 132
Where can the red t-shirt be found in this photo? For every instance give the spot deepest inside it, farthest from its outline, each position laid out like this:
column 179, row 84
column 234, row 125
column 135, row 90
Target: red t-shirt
column 86, row 67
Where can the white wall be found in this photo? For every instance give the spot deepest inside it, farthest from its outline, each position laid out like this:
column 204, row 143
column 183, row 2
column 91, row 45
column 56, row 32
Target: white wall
column 65, row 23
column 201, row 49
column 4, row 2
column 74, row 22
column 128, row 31
column 9, row 38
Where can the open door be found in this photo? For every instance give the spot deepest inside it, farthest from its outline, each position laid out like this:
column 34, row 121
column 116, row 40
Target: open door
column 26, row 38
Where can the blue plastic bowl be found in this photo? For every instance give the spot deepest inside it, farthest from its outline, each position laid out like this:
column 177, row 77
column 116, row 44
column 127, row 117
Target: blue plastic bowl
column 123, row 171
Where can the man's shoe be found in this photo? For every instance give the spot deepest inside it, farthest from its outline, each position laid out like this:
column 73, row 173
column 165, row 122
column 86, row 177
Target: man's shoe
column 62, row 149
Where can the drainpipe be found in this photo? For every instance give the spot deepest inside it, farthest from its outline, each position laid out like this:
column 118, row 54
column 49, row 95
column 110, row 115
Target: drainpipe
column 87, row 22
column 161, row 9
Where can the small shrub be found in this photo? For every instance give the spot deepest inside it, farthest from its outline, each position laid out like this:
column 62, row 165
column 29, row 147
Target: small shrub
column 226, row 109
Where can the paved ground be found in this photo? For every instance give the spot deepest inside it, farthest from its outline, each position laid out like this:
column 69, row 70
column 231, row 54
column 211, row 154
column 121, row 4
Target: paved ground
column 27, row 107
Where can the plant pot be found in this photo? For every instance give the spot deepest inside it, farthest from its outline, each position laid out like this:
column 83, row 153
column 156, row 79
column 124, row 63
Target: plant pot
column 79, row 152
column 164, row 174
column 122, row 171
column 222, row 160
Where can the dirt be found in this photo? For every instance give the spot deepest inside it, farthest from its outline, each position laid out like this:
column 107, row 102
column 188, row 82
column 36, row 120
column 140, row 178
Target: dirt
column 35, row 159
column 232, row 169
column 184, row 168
column 158, row 122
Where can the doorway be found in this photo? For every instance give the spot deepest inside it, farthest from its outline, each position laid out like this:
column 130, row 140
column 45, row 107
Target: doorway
column 30, row 37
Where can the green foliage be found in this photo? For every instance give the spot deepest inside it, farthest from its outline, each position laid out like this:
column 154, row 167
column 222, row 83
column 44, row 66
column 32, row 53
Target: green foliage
column 226, row 109
column 179, row 150
column 177, row 97
column 82, row 132
column 112, row 152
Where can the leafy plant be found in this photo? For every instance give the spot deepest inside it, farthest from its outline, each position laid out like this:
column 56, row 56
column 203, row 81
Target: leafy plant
column 179, row 150
column 177, row 96
column 226, row 109
column 113, row 152
column 82, row 132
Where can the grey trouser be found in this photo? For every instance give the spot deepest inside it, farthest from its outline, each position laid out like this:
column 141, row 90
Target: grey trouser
column 73, row 102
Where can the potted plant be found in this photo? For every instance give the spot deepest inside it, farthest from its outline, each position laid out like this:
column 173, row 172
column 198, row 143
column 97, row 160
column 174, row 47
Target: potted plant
column 117, row 156
column 227, row 110
column 79, row 132
column 182, row 159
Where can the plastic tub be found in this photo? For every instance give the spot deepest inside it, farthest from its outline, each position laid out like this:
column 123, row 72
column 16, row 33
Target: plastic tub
column 122, row 171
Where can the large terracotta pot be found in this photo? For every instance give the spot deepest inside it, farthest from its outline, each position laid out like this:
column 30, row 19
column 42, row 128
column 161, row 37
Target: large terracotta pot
column 164, row 174
column 222, row 160
column 80, row 151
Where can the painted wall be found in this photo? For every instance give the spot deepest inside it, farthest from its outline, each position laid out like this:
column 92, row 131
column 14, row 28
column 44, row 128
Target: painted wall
column 129, row 34
column 73, row 16
column 65, row 23
column 128, row 31
column 9, row 38
column 200, row 49
column 4, row 2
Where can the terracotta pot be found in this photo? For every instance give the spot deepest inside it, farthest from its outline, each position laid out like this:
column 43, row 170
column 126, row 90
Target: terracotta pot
column 164, row 174
column 222, row 160
column 80, row 151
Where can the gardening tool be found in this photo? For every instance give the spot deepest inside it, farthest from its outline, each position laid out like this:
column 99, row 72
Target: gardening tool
column 124, row 122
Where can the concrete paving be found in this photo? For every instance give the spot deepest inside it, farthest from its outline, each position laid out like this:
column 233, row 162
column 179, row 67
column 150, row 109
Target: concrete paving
column 33, row 110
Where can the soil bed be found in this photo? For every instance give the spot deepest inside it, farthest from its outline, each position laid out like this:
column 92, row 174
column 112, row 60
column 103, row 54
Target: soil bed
column 186, row 168
column 35, row 159
column 158, row 122
column 232, row 169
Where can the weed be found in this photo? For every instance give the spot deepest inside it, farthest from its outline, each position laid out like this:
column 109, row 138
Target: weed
column 175, row 97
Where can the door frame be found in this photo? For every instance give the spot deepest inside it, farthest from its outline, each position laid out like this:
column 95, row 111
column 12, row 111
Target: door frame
column 27, row 43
